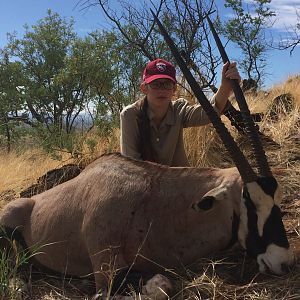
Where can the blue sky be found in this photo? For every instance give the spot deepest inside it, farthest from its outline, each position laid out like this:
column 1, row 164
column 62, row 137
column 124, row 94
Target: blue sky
column 14, row 14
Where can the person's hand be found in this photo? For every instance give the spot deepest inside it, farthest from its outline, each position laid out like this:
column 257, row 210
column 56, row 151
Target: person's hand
column 229, row 71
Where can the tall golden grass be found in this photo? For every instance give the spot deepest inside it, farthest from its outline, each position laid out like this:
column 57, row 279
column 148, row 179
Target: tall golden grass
column 205, row 149
column 18, row 170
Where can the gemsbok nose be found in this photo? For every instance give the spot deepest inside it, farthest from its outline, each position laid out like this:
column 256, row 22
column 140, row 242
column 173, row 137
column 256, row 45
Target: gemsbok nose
column 276, row 260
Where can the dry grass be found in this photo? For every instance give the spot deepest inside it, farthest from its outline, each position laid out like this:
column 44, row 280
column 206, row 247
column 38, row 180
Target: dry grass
column 18, row 171
column 235, row 277
column 227, row 275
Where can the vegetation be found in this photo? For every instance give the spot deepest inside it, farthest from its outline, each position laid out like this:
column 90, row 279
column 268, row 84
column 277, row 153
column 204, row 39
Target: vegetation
column 13, row 258
column 60, row 85
column 246, row 29
column 292, row 37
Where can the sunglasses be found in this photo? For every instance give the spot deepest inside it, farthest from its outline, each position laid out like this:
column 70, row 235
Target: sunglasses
column 162, row 85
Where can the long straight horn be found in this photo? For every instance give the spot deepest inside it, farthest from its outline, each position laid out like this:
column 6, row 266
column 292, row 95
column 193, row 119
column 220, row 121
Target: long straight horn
column 247, row 173
column 259, row 153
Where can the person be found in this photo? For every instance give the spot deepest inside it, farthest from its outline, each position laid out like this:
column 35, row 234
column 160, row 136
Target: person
column 152, row 127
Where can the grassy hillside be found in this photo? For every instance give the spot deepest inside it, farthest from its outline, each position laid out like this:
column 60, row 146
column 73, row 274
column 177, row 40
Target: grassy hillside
column 230, row 275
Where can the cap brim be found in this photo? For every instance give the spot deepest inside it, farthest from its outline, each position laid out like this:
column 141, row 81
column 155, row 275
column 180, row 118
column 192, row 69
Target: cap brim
column 159, row 76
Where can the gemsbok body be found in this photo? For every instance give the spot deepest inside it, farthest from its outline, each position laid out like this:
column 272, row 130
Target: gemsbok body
column 122, row 213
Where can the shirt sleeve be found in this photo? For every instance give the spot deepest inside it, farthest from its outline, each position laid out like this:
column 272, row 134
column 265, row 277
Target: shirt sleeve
column 194, row 115
column 129, row 138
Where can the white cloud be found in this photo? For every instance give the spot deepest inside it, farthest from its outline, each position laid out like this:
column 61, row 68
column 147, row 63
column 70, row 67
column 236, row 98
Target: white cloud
column 286, row 13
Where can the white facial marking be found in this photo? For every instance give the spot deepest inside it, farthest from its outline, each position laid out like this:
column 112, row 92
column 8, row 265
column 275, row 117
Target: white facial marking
column 263, row 203
column 274, row 258
column 278, row 196
column 219, row 193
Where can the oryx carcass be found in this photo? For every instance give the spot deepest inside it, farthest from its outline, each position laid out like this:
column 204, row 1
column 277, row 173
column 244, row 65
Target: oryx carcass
column 121, row 213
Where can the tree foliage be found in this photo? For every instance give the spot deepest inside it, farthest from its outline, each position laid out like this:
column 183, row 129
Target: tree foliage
column 184, row 22
column 11, row 98
column 43, row 53
column 115, row 74
column 246, row 28
column 52, row 77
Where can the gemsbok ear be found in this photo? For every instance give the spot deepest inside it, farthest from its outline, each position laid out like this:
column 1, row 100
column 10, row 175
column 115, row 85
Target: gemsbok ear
column 210, row 199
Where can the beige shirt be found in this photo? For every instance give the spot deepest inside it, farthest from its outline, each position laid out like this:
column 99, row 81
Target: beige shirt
column 167, row 140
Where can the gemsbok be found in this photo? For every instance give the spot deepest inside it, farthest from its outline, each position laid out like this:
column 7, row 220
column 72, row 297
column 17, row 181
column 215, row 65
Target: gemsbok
column 122, row 213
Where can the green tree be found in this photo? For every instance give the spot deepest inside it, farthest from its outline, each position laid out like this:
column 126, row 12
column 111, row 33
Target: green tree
column 43, row 53
column 11, row 97
column 247, row 29
column 64, row 73
column 114, row 75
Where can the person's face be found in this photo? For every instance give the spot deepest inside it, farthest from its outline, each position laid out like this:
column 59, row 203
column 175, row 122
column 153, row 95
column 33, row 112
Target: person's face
column 159, row 91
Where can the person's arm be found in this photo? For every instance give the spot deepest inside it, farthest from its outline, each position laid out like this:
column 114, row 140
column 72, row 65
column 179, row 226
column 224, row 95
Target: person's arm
column 129, row 138
column 194, row 115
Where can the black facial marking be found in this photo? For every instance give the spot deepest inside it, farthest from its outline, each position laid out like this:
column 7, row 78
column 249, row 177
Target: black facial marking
column 206, row 203
column 274, row 231
column 254, row 243
column 268, row 184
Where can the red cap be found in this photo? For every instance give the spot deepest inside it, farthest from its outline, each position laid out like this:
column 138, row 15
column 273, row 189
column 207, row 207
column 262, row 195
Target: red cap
column 159, row 68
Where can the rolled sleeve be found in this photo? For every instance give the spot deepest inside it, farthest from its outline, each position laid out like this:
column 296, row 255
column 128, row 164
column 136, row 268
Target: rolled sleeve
column 129, row 139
